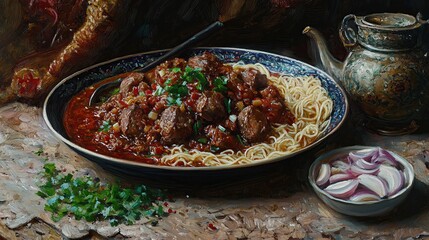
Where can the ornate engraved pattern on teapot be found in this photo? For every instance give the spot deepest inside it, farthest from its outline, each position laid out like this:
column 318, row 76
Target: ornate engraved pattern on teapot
column 386, row 72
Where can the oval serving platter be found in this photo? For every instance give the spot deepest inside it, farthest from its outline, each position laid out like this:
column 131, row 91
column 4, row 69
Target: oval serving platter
column 59, row 97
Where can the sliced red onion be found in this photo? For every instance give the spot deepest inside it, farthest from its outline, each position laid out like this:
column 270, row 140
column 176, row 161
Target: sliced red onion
column 374, row 184
column 365, row 154
column 376, row 154
column 340, row 177
column 343, row 189
column 365, row 175
column 385, row 157
column 364, row 195
column 340, row 166
column 393, row 177
column 358, row 171
column 324, row 173
column 365, row 165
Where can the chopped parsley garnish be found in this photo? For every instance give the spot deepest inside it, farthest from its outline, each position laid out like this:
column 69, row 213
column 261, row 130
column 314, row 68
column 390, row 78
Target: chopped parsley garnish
column 167, row 82
column 180, row 89
column 103, row 99
column 228, row 105
column 159, row 91
column 39, row 152
column 222, row 128
column 202, row 140
column 87, row 199
column 114, row 92
column 202, row 81
column 105, row 126
column 195, row 73
column 220, row 84
column 214, row 148
column 110, row 93
column 173, row 101
column 176, row 70
column 188, row 74
column 240, row 139
column 197, row 126
column 175, row 93
column 177, row 90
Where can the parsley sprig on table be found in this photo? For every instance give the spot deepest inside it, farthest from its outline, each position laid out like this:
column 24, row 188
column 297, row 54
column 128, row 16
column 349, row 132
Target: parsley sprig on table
column 88, row 199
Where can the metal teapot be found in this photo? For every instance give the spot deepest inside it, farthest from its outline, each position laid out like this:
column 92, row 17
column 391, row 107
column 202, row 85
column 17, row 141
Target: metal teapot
column 386, row 72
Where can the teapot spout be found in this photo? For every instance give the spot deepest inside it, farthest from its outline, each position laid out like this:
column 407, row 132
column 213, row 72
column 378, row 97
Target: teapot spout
column 330, row 64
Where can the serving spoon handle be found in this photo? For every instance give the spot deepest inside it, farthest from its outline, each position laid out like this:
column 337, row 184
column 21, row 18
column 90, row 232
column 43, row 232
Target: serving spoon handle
column 95, row 96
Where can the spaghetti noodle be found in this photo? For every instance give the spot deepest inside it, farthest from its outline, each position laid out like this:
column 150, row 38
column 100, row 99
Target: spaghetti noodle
column 308, row 101
column 202, row 112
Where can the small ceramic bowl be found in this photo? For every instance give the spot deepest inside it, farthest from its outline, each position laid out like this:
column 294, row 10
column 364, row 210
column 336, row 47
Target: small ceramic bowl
column 360, row 209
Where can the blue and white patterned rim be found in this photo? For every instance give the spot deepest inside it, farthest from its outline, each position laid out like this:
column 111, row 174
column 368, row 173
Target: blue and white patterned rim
column 276, row 63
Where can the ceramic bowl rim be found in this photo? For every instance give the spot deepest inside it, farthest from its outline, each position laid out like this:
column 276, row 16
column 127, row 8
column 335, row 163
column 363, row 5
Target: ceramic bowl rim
column 130, row 163
column 347, row 149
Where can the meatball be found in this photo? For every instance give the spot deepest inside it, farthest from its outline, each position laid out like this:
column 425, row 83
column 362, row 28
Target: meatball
column 271, row 92
column 208, row 63
column 132, row 121
column 210, row 106
column 254, row 79
column 253, row 124
column 143, row 86
column 163, row 72
column 274, row 106
column 222, row 139
column 176, row 126
column 129, row 82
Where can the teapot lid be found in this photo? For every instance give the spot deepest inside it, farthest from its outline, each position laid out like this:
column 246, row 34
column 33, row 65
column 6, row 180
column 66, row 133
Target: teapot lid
column 389, row 31
column 388, row 21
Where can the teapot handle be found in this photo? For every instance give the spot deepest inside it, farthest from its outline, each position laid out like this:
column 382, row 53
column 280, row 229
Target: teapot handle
column 347, row 32
column 420, row 20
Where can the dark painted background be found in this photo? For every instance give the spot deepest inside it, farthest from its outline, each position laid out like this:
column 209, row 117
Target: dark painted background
column 34, row 32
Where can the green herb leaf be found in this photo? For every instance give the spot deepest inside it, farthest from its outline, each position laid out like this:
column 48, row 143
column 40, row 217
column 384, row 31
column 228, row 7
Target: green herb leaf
column 202, row 81
column 228, row 103
column 240, row 139
column 214, row 148
column 89, row 200
column 105, row 126
column 176, row 70
column 159, row 91
column 114, row 92
column 167, row 82
column 177, row 90
column 187, row 75
column 50, row 169
column 222, row 128
column 197, row 126
column 39, row 152
column 220, row 84
column 202, row 140
column 195, row 73
column 173, row 101
column 103, row 99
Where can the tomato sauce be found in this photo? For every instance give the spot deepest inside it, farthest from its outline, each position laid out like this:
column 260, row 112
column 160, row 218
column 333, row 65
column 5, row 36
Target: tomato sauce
column 200, row 104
